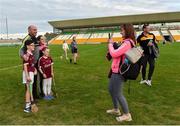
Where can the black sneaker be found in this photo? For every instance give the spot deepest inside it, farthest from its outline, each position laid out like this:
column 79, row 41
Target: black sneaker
column 27, row 110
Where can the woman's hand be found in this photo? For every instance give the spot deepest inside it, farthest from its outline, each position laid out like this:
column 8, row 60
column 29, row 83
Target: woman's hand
column 110, row 41
column 150, row 44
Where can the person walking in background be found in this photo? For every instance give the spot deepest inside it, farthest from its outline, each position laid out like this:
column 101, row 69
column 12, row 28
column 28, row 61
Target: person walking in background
column 116, row 79
column 65, row 48
column 74, row 50
column 148, row 44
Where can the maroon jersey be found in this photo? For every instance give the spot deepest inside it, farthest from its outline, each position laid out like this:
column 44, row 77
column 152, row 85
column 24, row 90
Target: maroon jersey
column 29, row 62
column 45, row 65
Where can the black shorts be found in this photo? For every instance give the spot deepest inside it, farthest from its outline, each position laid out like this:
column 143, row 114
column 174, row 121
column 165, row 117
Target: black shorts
column 74, row 50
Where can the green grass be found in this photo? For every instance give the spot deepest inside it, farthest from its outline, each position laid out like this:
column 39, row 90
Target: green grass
column 83, row 90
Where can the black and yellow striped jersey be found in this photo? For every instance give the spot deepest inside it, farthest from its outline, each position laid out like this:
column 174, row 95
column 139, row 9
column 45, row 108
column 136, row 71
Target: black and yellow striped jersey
column 143, row 40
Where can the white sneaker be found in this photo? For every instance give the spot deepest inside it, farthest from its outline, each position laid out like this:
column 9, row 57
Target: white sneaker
column 124, row 117
column 149, row 83
column 114, row 112
column 143, row 81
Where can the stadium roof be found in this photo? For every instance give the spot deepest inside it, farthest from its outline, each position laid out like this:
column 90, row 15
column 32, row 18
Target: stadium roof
column 117, row 20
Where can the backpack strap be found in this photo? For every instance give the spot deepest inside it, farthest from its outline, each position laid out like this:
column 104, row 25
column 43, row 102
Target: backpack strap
column 121, row 61
column 132, row 45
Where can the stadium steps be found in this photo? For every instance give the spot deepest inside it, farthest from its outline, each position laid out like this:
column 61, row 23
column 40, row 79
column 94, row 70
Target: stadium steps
column 53, row 40
column 166, row 35
column 175, row 34
column 172, row 38
column 158, row 35
column 101, row 37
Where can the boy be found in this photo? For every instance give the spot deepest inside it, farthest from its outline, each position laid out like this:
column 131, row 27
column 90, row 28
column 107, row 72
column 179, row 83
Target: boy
column 28, row 74
column 46, row 69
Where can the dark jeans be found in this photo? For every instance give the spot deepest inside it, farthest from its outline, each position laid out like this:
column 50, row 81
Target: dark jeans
column 151, row 60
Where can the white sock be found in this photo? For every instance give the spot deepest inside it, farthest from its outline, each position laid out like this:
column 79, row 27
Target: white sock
column 49, row 86
column 45, row 87
column 28, row 104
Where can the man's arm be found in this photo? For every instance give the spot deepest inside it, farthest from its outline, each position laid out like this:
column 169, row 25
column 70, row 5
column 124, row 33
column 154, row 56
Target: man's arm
column 22, row 49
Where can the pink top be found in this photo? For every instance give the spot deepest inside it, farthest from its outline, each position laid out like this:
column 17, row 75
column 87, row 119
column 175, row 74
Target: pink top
column 117, row 53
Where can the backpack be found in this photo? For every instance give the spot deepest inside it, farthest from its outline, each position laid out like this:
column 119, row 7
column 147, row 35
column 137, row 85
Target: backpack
column 129, row 70
column 155, row 50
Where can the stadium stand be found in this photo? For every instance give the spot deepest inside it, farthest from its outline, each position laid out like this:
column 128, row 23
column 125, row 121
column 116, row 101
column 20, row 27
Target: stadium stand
column 175, row 34
column 96, row 37
column 95, row 30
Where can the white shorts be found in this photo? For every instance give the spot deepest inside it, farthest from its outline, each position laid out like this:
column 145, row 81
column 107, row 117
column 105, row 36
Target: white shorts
column 31, row 75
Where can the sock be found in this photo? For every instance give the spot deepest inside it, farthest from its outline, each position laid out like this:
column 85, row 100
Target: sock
column 28, row 104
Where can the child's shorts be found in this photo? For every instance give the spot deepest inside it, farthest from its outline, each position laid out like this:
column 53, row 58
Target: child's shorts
column 31, row 75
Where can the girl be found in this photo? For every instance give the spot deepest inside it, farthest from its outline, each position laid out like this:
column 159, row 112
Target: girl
column 65, row 49
column 116, row 80
column 46, row 69
column 42, row 44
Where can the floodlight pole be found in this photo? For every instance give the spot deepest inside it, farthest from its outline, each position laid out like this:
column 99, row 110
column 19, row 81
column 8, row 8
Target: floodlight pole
column 7, row 27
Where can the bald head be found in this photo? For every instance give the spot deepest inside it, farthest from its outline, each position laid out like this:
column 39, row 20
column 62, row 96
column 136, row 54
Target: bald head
column 32, row 30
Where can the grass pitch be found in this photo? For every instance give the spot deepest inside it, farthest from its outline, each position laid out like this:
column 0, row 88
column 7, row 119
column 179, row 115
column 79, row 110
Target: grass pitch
column 83, row 90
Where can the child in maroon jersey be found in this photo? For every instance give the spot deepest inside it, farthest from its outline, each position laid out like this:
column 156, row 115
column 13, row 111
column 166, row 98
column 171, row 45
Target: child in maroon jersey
column 28, row 74
column 46, row 69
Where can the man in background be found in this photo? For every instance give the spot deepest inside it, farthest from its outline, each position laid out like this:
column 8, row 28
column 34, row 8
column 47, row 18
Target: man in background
column 147, row 42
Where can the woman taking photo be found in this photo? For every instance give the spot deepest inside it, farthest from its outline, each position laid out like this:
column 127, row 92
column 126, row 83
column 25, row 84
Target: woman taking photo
column 116, row 79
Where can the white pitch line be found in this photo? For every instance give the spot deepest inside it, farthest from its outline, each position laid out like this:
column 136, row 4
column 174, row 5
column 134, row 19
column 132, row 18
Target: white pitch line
column 11, row 67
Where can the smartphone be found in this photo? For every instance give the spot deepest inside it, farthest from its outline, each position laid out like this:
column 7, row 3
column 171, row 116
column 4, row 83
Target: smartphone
column 109, row 35
column 150, row 41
